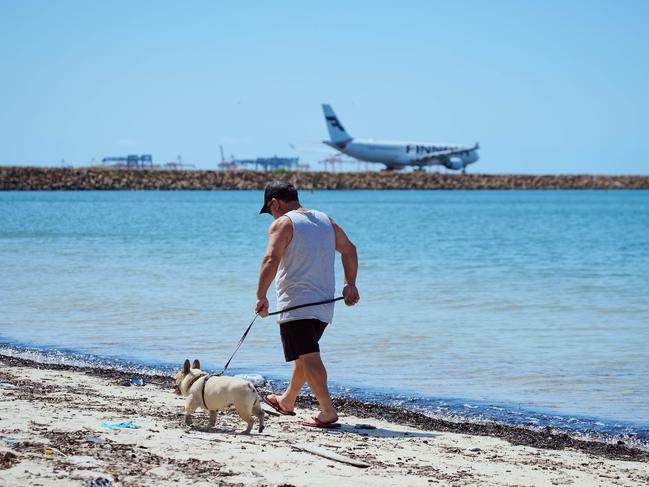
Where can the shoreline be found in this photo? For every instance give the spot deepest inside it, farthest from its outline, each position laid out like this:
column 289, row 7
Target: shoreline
column 578, row 425
column 15, row 178
column 543, row 438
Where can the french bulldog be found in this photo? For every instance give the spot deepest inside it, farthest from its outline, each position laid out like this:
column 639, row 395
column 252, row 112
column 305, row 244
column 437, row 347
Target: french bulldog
column 217, row 393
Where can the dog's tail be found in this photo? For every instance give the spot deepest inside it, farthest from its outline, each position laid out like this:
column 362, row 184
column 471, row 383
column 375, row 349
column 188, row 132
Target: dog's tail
column 256, row 407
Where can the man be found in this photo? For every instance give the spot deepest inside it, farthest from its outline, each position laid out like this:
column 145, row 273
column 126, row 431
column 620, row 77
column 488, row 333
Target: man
column 301, row 250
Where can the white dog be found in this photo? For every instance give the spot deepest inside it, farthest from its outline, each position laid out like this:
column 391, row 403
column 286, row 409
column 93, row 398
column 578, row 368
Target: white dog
column 217, row 393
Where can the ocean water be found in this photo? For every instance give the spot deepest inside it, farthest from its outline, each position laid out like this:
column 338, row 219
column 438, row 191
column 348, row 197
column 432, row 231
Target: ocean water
column 522, row 306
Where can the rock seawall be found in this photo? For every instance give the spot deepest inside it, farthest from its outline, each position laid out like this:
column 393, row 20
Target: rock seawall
column 60, row 179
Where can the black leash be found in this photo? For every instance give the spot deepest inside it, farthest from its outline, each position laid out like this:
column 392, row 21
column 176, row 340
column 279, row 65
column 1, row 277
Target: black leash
column 243, row 337
column 245, row 333
column 291, row 308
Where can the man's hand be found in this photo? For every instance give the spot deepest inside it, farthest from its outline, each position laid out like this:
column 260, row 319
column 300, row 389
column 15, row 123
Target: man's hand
column 350, row 293
column 261, row 308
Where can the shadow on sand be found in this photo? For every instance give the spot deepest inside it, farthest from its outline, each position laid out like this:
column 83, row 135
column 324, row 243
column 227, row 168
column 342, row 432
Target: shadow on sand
column 368, row 430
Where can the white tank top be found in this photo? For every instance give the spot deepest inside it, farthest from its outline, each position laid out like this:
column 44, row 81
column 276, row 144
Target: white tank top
column 306, row 271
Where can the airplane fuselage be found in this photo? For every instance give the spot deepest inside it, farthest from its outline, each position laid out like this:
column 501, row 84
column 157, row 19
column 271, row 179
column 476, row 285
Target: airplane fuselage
column 401, row 154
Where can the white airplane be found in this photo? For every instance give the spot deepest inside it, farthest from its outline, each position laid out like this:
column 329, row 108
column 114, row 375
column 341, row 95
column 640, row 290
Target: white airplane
column 397, row 155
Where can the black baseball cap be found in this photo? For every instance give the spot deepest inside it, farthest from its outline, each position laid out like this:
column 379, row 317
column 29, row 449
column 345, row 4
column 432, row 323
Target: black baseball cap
column 280, row 190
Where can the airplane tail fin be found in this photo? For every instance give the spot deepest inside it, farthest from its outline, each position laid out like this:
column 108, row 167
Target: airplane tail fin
column 337, row 133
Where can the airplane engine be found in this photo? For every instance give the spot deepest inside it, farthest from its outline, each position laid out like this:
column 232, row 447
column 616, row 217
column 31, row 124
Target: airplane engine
column 455, row 164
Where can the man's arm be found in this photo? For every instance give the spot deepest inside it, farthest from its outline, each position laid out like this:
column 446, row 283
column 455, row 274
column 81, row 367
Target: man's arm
column 280, row 234
column 349, row 259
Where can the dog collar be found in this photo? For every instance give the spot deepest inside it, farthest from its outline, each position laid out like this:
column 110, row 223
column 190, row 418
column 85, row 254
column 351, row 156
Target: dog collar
column 194, row 379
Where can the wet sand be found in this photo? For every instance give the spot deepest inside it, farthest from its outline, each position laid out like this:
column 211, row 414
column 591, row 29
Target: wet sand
column 51, row 433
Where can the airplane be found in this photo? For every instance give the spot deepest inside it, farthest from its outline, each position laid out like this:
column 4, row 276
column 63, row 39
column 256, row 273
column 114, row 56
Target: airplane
column 397, row 155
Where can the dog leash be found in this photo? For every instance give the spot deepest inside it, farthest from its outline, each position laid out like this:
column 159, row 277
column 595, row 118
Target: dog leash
column 291, row 308
column 245, row 333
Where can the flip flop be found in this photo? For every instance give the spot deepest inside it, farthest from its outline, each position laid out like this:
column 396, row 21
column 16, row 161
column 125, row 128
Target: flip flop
column 271, row 400
column 316, row 423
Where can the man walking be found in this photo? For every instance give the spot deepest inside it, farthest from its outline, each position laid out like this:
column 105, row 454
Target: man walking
column 300, row 255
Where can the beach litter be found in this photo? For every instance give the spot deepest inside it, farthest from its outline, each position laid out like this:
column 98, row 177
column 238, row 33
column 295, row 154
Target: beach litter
column 8, row 441
column 94, row 439
column 132, row 381
column 125, row 425
column 49, row 450
column 7, row 385
column 98, row 482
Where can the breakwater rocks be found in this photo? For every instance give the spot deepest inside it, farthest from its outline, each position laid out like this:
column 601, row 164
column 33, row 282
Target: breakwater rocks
column 59, row 179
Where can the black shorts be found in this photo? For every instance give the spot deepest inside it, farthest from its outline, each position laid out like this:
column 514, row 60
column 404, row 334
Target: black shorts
column 300, row 337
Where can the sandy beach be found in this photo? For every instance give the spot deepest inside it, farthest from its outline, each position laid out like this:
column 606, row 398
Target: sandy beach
column 54, row 430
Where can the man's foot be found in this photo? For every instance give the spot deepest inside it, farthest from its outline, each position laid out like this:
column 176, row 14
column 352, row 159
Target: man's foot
column 316, row 423
column 273, row 402
column 281, row 400
column 326, row 418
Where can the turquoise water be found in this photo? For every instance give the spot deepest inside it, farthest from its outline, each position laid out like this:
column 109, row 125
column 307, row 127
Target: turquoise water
column 532, row 301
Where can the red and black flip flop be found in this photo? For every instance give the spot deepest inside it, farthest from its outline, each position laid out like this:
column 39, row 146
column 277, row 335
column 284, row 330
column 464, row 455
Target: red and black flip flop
column 271, row 400
column 316, row 423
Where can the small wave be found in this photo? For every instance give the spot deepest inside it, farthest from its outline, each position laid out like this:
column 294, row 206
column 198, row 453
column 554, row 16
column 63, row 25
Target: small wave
column 53, row 356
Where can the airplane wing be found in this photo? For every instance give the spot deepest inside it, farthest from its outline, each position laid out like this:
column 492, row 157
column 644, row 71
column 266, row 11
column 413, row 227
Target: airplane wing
column 443, row 156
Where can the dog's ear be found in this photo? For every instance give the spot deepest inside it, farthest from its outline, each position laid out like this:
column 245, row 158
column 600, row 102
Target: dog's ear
column 186, row 366
column 196, row 364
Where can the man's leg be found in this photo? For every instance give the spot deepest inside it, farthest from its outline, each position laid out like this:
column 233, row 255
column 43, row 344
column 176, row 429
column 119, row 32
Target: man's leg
column 298, row 379
column 316, row 376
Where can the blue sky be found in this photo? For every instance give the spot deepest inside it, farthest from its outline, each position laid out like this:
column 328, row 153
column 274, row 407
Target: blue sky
column 546, row 87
